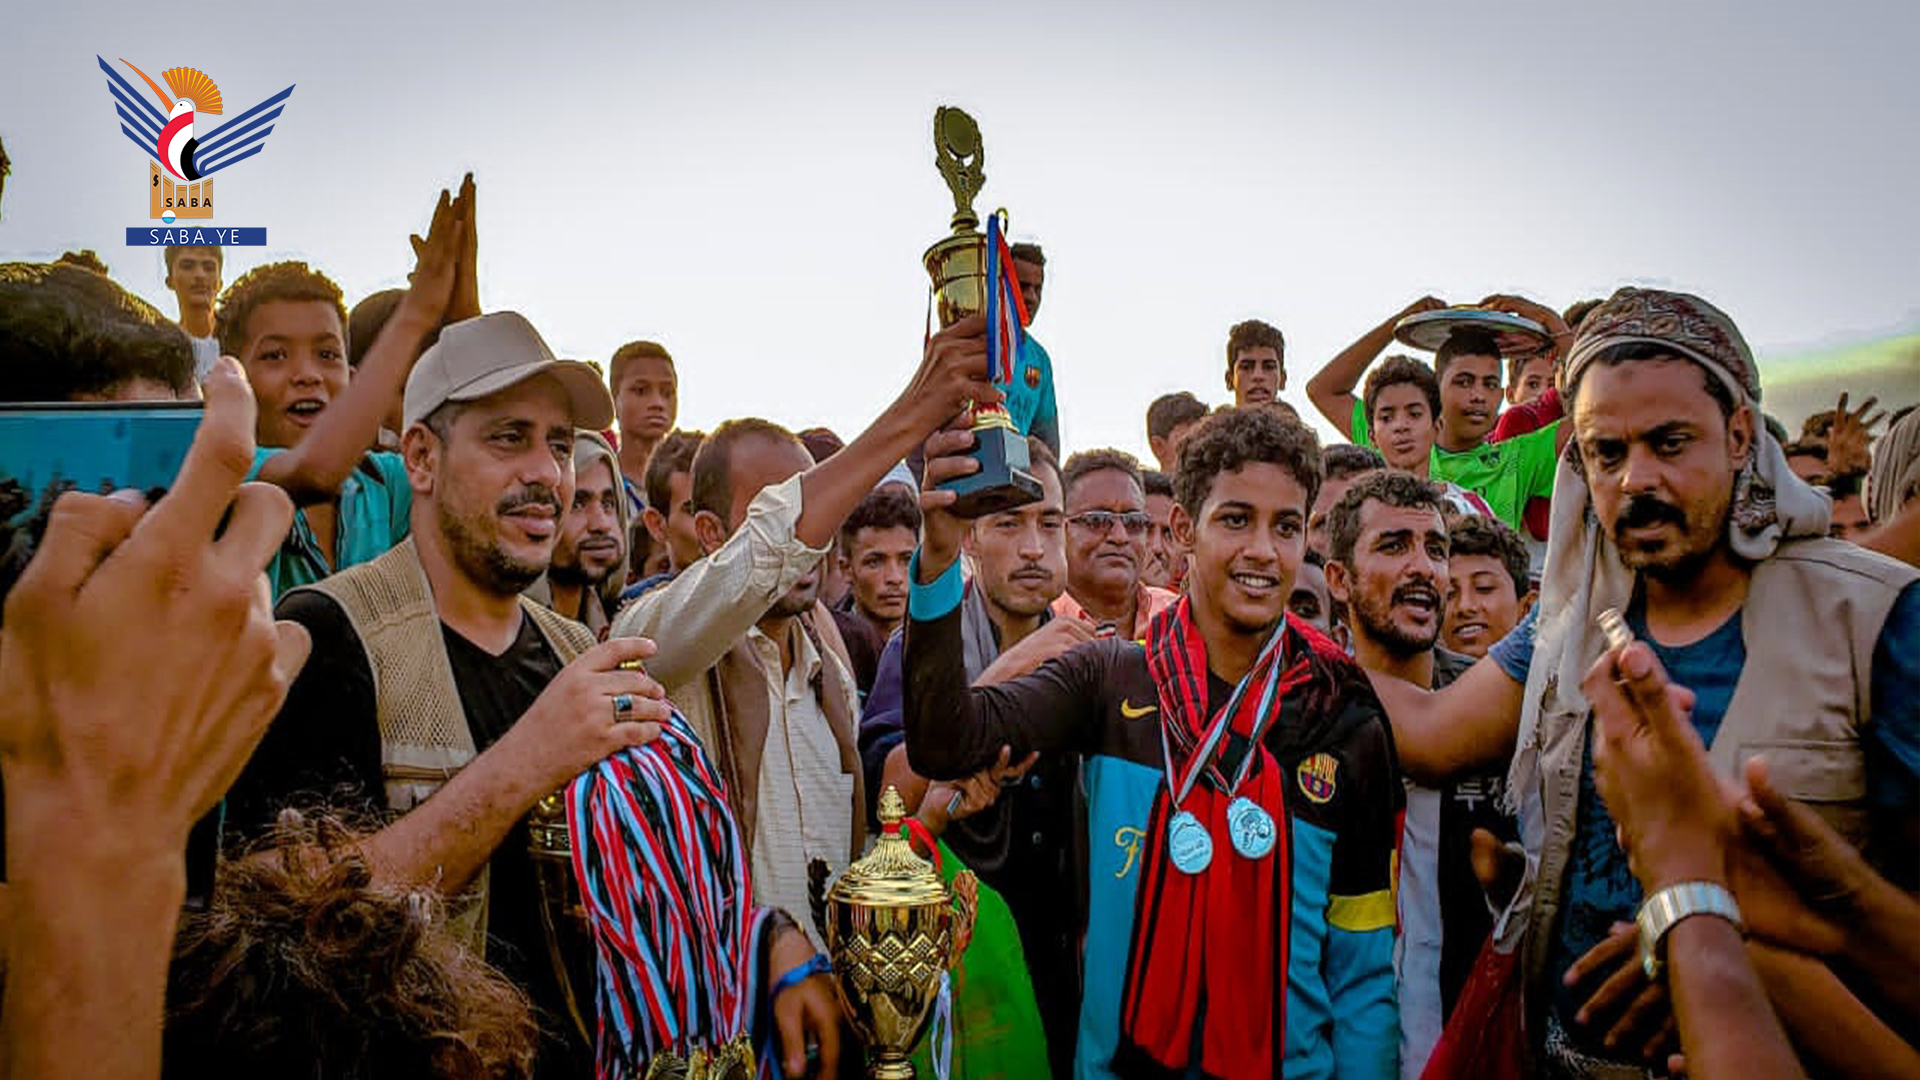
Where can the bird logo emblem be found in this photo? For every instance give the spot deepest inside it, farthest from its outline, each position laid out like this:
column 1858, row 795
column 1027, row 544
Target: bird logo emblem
column 185, row 158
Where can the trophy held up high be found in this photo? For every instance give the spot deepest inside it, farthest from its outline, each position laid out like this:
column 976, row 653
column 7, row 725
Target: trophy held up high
column 973, row 274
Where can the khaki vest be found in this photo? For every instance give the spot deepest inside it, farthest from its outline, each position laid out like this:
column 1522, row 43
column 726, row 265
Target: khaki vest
column 424, row 734
column 1811, row 621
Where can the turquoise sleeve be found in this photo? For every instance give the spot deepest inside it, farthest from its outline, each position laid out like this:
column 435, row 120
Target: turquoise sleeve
column 260, row 456
column 938, row 597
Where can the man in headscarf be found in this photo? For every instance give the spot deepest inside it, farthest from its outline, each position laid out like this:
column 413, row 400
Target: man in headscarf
column 1892, row 491
column 588, row 570
column 1673, row 506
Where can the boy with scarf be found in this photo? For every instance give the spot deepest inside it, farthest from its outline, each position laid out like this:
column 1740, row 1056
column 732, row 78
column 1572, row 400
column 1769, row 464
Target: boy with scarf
column 1240, row 836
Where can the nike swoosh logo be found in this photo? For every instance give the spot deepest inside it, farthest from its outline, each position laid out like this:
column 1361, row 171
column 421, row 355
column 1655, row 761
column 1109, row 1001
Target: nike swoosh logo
column 1131, row 712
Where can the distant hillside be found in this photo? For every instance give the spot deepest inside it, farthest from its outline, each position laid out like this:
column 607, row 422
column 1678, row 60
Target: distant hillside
column 1795, row 385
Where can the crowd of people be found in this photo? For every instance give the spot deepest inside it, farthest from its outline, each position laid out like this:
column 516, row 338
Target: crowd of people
column 456, row 714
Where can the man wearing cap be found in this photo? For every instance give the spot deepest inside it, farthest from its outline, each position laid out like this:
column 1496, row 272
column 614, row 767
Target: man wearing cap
column 437, row 697
column 1673, row 507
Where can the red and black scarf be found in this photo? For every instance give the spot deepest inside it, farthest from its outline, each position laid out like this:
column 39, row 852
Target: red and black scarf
column 1217, row 940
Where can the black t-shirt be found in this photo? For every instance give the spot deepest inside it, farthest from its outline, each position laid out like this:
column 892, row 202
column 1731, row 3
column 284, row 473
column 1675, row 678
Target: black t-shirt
column 324, row 747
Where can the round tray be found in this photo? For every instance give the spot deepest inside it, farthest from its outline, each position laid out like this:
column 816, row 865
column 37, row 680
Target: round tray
column 1429, row 330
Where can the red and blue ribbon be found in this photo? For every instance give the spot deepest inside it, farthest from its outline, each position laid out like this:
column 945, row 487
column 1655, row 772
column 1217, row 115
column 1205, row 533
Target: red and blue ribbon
column 1006, row 310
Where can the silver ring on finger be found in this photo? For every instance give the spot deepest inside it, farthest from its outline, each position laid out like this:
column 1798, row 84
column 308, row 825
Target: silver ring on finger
column 622, row 706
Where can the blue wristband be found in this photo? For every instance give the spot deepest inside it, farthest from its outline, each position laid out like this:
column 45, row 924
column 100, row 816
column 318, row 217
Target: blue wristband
column 819, row 965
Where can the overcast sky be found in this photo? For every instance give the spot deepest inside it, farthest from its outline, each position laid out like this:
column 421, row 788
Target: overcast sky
column 752, row 183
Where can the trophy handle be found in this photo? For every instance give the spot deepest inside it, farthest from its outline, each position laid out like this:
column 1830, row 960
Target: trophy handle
column 817, row 874
column 966, row 904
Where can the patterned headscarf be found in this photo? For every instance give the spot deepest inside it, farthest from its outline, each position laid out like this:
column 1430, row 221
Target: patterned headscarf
column 1584, row 574
column 1895, row 475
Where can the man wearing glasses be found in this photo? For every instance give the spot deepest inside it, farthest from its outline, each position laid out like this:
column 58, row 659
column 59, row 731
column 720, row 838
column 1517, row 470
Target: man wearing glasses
column 1107, row 524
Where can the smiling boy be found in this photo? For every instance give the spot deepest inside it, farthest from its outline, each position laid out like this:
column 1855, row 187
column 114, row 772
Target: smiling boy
column 287, row 324
column 1266, row 851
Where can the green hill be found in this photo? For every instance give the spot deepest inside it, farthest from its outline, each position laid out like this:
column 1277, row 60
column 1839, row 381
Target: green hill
column 1795, row 385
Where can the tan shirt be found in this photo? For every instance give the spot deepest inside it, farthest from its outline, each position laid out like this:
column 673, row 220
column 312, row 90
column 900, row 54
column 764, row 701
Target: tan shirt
column 804, row 797
column 706, row 608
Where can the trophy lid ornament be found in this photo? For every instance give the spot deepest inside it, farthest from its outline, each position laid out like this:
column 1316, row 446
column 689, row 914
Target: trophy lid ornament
column 960, row 156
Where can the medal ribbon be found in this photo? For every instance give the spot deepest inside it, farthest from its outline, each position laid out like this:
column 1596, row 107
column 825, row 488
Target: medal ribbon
column 1269, row 662
column 1206, row 977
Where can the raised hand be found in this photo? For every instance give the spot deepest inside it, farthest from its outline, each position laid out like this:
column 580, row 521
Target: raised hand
column 1850, row 437
column 437, row 261
column 1527, row 309
column 952, row 374
column 948, row 457
column 466, row 284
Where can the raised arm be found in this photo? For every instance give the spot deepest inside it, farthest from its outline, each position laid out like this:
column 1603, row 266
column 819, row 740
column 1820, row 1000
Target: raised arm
column 1331, row 388
column 696, row 623
column 313, row 471
column 953, row 730
column 1441, row 734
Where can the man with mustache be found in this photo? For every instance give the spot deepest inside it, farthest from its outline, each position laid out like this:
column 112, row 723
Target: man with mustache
column 441, row 698
column 193, row 274
column 588, row 568
column 1468, row 367
column 1675, row 509
column 1025, row 844
column 437, row 696
column 1389, row 546
column 1107, row 525
column 746, row 649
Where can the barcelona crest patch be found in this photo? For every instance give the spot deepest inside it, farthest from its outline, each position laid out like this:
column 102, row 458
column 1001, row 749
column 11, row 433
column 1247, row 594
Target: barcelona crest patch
column 1317, row 777
column 1033, row 377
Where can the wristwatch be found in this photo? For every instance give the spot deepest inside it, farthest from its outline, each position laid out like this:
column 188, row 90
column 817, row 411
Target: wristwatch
column 1663, row 911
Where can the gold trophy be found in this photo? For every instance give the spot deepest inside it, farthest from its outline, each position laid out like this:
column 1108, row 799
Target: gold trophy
column 958, row 267
column 892, row 928
column 562, row 912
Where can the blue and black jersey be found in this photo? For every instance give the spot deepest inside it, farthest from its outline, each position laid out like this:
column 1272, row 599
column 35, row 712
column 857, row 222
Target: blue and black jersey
column 1343, row 797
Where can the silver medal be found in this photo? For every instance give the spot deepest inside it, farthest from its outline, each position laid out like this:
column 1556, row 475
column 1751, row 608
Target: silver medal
column 1188, row 844
column 1250, row 827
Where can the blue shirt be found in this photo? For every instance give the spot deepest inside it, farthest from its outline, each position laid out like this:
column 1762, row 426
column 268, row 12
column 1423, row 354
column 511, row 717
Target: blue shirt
column 1600, row 889
column 1030, row 399
column 371, row 517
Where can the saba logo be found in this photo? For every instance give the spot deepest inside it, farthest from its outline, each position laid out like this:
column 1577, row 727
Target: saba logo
column 180, row 174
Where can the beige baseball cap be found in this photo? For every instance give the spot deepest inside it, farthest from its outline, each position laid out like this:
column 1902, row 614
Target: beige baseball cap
column 480, row 356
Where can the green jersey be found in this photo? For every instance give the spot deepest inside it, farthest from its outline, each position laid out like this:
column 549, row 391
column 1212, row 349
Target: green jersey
column 1505, row 473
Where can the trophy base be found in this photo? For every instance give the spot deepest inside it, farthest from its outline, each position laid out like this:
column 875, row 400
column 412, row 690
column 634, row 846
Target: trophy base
column 1003, row 481
column 894, row 1066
